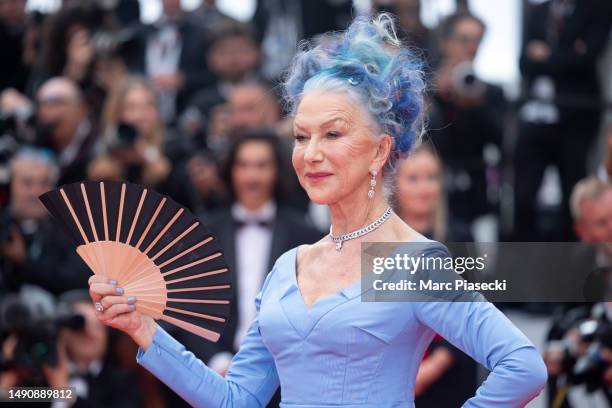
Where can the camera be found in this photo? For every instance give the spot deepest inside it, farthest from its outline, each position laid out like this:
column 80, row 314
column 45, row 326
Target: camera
column 466, row 82
column 15, row 130
column 35, row 319
column 587, row 365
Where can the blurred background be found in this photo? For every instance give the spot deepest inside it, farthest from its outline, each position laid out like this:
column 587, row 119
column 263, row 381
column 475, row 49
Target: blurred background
column 185, row 97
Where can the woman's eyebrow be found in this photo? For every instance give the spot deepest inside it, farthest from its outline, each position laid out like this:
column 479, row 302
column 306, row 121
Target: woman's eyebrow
column 336, row 120
column 333, row 120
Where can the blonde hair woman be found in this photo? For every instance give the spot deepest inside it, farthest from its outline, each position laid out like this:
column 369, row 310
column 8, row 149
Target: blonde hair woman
column 133, row 131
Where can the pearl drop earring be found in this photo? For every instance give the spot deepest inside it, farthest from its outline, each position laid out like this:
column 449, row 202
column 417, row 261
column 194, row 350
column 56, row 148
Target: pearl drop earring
column 372, row 184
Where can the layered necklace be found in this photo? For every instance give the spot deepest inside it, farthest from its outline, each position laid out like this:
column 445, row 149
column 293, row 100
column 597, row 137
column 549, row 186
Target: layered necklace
column 339, row 239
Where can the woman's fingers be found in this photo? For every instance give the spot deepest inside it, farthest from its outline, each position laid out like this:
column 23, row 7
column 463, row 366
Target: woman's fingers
column 101, row 285
column 114, row 310
column 108, row 301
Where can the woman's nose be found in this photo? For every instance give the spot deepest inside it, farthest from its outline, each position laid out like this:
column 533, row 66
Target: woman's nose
column 313, row 151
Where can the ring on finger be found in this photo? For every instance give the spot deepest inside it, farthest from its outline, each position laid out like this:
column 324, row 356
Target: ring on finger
column 98, row 306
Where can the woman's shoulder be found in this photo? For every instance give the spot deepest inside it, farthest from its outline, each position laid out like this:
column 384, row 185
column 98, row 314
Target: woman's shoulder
column 412, row 241
column 280, row 274
column 312, row 250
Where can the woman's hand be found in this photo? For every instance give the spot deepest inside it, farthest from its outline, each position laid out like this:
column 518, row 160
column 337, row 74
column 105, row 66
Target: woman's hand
column 80, row 53
column 119, row 311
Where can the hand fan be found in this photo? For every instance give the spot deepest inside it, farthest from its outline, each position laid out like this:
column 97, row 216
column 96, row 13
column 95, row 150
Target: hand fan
column 153, row 247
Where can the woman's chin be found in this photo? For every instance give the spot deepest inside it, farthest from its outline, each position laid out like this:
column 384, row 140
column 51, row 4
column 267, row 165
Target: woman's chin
column 320, row 197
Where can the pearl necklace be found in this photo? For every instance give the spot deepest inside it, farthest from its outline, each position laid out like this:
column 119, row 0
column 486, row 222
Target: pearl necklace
column 355, row 234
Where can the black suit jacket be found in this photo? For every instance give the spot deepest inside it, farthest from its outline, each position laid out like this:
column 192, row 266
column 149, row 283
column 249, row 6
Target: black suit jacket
column 317, row 17
column 192, row 62
column 288, row 231
column 572, row 63
column 51, row 261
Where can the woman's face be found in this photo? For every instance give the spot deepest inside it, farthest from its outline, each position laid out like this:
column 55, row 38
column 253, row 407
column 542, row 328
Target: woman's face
column 140, row 110
column 335, row 147
column 419, row 183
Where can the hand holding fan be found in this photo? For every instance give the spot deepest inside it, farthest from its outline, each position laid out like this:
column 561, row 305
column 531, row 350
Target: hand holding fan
column 154, row 248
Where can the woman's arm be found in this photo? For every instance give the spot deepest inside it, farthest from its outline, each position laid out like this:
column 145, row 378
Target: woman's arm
column 432, row 368
column 483, row 332
column 250, row 382
column 251, row 379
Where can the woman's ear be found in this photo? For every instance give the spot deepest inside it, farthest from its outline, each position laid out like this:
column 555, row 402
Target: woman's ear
column 385, row 145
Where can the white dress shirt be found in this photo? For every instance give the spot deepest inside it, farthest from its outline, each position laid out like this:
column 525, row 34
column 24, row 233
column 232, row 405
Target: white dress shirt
column 253, row 244
column 163, row 54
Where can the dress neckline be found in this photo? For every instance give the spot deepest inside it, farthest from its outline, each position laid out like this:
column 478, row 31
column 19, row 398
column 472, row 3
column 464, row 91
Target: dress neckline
column 347, row 291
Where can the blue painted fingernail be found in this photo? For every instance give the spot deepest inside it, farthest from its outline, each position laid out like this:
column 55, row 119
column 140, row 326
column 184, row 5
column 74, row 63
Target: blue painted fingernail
column 131, row 300
column 112, row 282
column 132, row 307
column 119, row 290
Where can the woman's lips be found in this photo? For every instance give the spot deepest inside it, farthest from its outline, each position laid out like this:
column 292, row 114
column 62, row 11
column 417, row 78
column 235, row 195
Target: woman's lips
column 318, row 176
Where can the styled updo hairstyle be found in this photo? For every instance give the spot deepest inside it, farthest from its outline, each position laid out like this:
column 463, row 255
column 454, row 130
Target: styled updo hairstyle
column 369, row 62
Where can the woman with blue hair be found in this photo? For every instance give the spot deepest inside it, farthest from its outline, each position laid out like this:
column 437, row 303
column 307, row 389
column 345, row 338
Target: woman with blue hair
column 357, row 102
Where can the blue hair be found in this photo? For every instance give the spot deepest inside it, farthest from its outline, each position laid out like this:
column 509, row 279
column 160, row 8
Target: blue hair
column 369, row 62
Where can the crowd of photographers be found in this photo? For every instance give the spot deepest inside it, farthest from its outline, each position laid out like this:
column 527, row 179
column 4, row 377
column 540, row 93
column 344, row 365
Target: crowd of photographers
column 190, row 106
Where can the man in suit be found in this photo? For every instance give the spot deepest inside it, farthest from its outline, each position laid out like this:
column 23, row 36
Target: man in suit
column 253, row 232
column 172, row 54
column 31, row 250
column 283, row 23
column 562, row 104
column 63, row 124
column 591, row 207
column 466, row 116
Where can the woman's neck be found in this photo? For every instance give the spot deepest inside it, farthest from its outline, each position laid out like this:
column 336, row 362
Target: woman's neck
column 352, row 214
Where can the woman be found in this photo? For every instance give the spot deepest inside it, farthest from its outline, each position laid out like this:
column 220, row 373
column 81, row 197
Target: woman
column 138, row 147
column 446, row 376
column 357, row 103
column 418, row 196
column 68, row 50
column 134, row 133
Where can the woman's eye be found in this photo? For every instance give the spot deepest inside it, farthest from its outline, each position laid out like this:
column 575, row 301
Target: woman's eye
column 333, row 134
column 299, row 138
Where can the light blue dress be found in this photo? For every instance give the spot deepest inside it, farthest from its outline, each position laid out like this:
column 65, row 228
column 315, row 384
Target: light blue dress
column 345, row 353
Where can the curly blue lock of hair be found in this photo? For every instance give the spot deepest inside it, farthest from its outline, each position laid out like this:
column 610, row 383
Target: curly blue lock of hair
column 367, row 61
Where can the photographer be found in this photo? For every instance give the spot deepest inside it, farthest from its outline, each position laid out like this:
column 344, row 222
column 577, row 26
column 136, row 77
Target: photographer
column 560, row 114
column 31, row 250
column 134, row 133
column 136, row 145
column 568, row 358
column 579, row 356
column 68, row 50
column 591, row 207
column 466, row 115
column 63, row 125
column 77, row 351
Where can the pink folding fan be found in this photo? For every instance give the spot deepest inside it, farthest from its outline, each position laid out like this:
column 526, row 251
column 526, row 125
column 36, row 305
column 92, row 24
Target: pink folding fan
column 153, row 247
